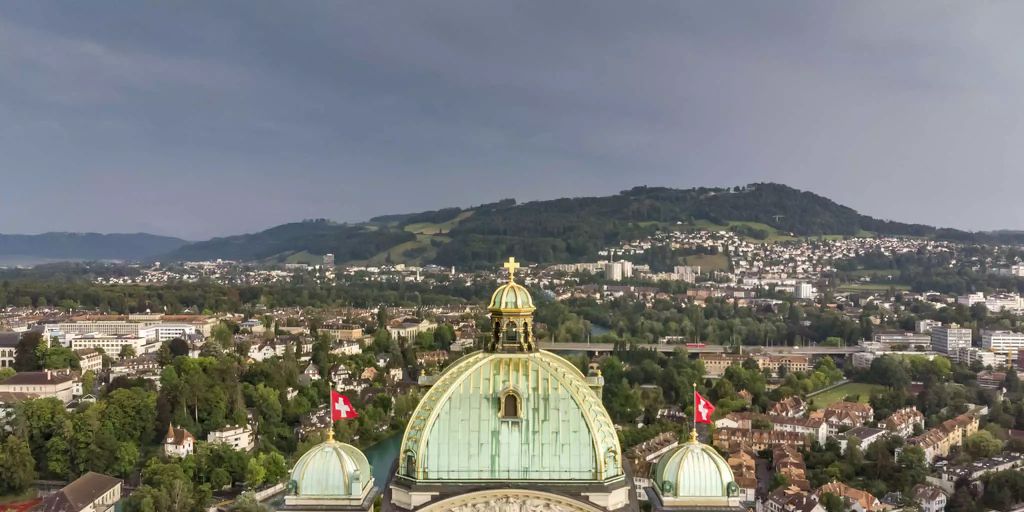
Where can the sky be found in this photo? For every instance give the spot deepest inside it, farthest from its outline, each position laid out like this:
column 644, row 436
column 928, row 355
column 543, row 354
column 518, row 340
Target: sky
column 200, row 119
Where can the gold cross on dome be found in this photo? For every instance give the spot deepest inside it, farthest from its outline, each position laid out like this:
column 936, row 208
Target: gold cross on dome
column 511, row 265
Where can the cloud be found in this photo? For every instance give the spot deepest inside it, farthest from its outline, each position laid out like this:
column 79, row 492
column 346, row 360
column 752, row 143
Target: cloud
column 905, row 110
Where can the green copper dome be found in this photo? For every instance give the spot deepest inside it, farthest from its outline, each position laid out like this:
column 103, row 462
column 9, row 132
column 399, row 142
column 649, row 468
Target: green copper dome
column 694, row 470
column 332, row 469
column 511, row 296
column 527, row 416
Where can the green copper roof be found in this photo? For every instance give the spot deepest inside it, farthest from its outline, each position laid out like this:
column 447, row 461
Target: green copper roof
column 511, row 296
column 332, row 469
column 564, row 432
column 693, row 470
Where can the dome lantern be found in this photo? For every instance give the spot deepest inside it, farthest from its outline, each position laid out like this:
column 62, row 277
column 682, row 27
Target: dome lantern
column 511, row 309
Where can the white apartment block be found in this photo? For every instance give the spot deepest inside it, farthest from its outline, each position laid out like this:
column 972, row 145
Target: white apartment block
column 803, row 291
column 925, row 326
column 971, row 299
column 112, row 344
column 167, row 332
column 238, row 437
column 1003, row 342
column 987, row 358
column 950, row 339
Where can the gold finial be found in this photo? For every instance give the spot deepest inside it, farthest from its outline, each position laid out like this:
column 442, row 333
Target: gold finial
column 511, row 265
column 330, row 433
column 693, row 436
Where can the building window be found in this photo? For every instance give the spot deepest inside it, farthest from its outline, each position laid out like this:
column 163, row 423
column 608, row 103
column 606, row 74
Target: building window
column 511, row 332
column 510, row 406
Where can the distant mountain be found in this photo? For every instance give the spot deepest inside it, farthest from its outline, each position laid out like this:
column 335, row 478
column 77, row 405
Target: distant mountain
column 306, row 240
column 85, row 246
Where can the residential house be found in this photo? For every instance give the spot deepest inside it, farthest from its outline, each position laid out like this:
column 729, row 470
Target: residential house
column 743, row 463
column 790, row 499
column 342, row 332
column 729, row 439
column 856, row 500
column 310, row 374
column 902, row 421
column 789, row 462
column 866, row 436
column 91, row 492
column 845, row 415
column 973, row 472
column 178, row 442
column 409, row 328
column 937, row 441
column 793, row 407
column 929, row 497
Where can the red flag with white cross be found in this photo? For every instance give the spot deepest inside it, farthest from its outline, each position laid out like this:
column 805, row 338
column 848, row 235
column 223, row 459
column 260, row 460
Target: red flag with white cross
column 702, row 409
column 341, row 407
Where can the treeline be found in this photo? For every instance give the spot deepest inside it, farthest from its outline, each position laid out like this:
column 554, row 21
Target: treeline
column 346, row 242
column 208, row 296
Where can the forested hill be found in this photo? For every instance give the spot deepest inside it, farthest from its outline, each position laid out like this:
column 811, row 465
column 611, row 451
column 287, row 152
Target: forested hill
column 570, row 229
column 567, row 229
column 86, row 246
column 560, row 230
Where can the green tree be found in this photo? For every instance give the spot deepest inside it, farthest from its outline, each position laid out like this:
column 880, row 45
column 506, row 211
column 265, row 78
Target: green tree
column 126, row 352
column 26, row 357
column 832, row 503
column 6, row 373
column 255, row 474
column 17, row 466
column 983, row 444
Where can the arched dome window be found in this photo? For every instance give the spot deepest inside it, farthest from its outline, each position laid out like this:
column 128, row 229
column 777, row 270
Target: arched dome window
column 510, row 406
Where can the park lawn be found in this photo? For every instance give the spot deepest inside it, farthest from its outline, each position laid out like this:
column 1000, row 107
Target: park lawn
column 430, row 228
column 850, row 388
column 28, row 494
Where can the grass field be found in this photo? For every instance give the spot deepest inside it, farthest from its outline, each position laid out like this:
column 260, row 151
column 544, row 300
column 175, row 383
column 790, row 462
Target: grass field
column 708, row 262
column 850, row 388
column 871, row 287
column 429, row 228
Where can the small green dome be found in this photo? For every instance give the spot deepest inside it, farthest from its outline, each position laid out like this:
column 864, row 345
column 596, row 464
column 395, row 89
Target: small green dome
column 694, row 470
column 511, row 296
column 332, row 469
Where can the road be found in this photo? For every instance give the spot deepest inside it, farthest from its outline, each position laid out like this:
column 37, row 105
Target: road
column 709, row 349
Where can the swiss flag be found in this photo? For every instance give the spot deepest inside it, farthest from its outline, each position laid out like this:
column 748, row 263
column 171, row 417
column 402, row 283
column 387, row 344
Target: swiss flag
column 702, row 409
column 341, row 407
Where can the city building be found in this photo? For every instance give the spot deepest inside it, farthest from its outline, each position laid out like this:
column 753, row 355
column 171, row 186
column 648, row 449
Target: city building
column 330, row 477
column 239, row 437
column 1003, row 342
column 89, row 359
column 949, row 339
column 643, row 457
column 343, row 332
column 937, row 442
column 803, row 291
column 925, row 326
column 8, row 348
column 973, row 472
column 45, row 384
column 408, row 329
column 329, row 260
column 112, row 344
column 178, row 442
column 845, row 415
column 91, row 492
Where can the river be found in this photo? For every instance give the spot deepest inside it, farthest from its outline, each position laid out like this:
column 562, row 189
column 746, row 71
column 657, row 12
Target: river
column 382, row 455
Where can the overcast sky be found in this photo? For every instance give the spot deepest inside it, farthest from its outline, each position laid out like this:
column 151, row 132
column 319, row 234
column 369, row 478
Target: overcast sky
column 227, row 117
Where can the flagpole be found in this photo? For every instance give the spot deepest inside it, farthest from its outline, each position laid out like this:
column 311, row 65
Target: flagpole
column 693, row 436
